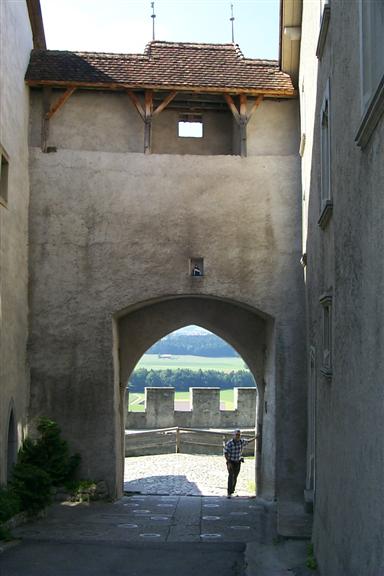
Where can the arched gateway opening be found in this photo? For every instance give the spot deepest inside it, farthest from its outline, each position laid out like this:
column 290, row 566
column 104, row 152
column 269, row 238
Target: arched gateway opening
column 185, row 397
column 247, row 330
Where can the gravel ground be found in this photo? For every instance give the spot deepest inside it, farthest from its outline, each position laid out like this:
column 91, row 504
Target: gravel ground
column 185, row 474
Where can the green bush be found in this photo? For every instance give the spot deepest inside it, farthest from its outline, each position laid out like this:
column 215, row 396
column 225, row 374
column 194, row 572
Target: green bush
column 311, row 560
column 82, row 490
column 9, row 503
column 41, row 465
column 50, row 453
column 33, row 487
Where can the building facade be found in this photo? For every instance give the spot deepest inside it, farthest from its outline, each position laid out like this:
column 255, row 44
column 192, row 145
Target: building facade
column 16, row 39
column 342, row 148
column 122, row 207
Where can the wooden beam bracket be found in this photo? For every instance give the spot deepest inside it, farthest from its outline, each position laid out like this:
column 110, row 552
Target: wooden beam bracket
column 164, row 103
column 60, row 102
column 255, row 105
column 48, row 112
column 44, row 120
column 242, row 117
column 147, row 112
column 232, row 107
column 137, row 104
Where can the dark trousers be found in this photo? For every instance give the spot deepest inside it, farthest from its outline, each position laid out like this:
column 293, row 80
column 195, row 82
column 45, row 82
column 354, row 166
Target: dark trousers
column 233, row 472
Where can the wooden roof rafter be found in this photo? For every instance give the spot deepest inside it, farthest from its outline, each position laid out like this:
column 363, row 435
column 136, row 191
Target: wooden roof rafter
column 117, row 86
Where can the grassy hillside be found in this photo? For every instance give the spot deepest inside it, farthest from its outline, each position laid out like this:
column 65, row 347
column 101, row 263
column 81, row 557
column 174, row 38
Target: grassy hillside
column 153, row 362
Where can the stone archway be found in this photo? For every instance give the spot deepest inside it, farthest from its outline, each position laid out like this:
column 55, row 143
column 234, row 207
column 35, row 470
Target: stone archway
column 248, row 331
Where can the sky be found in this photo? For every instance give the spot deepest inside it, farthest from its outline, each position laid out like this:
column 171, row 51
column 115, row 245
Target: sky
column 125, row 26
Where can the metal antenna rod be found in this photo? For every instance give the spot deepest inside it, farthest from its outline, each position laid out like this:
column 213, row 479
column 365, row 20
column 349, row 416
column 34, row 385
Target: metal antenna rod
column 153, row 16
column 232, row 19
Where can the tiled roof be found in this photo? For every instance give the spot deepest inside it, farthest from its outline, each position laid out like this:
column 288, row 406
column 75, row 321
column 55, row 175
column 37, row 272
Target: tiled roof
column 163, row 65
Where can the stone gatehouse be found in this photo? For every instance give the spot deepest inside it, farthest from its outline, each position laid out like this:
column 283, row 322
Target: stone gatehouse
column 122, row 206
column 105, row 207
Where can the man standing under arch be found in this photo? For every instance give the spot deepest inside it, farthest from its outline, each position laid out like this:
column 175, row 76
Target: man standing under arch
column 233, row 453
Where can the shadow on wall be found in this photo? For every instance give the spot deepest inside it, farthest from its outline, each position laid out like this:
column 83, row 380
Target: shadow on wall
column 162, row 485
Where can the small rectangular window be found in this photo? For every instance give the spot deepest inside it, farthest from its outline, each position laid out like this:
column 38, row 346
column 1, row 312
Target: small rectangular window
column 372, row 48
column 190, row 126
column 196, row 267
column 325, row 14
column 4, row 168
column 325, row 160
column 372, row 68
column 326, row 303
column 325, row 152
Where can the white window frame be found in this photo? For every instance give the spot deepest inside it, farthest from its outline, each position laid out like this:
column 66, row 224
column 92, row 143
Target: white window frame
column 371, row 68
column 325, row 159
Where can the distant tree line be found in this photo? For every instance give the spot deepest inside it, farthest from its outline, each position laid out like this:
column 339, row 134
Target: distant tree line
column 182, row 379
column 193, row 345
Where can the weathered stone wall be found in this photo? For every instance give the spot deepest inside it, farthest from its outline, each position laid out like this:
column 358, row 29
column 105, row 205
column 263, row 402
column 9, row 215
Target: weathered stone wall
column 16, row 43
column 204, row 410
column 112, row 233
column 110, row 123
column 345, row 259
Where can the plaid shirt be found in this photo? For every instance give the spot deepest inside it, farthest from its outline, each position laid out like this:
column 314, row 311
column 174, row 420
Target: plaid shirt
column 234, row 449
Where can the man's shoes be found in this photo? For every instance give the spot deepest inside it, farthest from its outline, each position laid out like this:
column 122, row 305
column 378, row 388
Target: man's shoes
column 229, row 495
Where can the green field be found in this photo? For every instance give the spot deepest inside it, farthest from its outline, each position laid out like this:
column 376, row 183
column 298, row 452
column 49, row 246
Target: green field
column 153, row 362
column 136, row 400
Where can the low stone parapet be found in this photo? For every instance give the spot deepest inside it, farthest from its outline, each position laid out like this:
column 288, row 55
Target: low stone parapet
column 204, row 410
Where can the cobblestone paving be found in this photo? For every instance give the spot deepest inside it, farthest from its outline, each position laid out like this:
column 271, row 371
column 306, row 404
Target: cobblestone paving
column 185, row 474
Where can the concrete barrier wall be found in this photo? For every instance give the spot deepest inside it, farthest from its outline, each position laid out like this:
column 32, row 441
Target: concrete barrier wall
column 204, row 410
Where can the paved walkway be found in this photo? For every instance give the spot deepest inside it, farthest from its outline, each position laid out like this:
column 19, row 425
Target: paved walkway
column 158, row 519
column 185, row 474
column 154, row 534
column 142, row 535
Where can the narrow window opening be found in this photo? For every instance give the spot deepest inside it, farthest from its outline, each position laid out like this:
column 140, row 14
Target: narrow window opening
column 325, row 188
column 372, row 28
column 4, row 168
column 196, row 267
column 190, row 126
column 325, row 162
column 309, row 493
column 326, row 302
column 372, row 68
